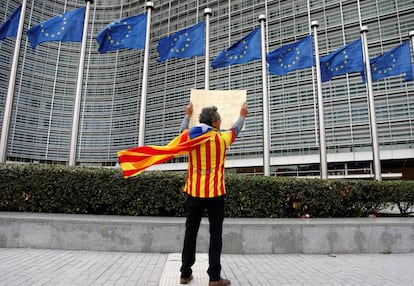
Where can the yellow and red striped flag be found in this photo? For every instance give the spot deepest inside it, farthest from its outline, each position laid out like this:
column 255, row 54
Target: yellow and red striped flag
column 134, row 161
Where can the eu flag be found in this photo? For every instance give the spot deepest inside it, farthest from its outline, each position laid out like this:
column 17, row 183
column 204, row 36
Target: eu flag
column 346, row 59
column 185, row 43
column 67, row 27
column 393, row 62
column 298, row 55
column 123, row 34
column 409, row 75
column 245, row 50
column 10, row 27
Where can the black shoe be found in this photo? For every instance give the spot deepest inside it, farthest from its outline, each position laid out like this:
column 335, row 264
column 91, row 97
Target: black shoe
column 184, row 280
column 221, row 282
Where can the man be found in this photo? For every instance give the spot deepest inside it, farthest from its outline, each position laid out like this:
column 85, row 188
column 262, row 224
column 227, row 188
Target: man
column 205, row 188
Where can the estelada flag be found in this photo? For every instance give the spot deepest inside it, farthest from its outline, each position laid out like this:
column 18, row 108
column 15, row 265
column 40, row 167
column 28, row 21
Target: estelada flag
column 134, row 161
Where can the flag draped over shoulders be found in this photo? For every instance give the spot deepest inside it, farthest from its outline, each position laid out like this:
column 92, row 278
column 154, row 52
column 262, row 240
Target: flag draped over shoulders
column 134, row 161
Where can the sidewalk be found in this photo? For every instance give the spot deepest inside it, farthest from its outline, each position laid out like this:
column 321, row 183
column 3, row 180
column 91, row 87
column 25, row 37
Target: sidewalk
column 22, row 266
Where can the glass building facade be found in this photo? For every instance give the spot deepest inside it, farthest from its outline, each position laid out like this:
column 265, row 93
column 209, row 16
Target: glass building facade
column 45, row 87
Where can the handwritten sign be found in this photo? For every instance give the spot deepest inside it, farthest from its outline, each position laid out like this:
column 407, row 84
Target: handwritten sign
column 228, row 103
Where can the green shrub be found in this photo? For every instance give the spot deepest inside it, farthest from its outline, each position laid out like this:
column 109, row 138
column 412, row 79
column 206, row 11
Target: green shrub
column 401, row 194
column 81, row 190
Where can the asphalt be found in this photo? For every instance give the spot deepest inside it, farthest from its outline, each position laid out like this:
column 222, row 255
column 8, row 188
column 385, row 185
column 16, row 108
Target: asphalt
column 22, row 266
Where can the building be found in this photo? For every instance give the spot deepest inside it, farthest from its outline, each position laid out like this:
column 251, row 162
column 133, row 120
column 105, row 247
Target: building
column 43, row 104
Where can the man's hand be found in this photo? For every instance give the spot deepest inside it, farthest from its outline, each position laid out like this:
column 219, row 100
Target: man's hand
column 189, row 110
column 243, row 110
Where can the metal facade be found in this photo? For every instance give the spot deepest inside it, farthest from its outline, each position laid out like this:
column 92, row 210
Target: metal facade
column 46, row 83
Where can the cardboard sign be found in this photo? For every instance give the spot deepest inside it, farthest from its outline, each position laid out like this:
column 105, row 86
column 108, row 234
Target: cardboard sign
column 228, row 103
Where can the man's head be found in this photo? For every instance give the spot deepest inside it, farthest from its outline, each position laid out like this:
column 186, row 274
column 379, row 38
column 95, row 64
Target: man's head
column 210, row 116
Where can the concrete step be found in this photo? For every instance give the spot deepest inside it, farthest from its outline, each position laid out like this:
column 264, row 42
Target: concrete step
column 240, row 236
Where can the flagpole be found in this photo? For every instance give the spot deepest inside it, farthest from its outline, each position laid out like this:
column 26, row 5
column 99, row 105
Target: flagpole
column 322, row 145
column 10, row 92
column 77, row 105
column 371, row 106
column 411, row 35
column 142, row 115
column 359, row 14
column 266, row 124
column 207, row 14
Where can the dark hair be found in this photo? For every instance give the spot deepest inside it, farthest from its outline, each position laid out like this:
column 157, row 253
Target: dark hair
column 208, row 115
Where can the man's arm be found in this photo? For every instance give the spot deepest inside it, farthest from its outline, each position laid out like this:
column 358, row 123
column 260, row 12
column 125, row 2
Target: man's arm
column 238, row 125
column 186, row 119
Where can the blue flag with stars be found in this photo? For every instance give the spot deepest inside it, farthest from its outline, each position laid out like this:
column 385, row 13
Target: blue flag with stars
column 347, row 59
column 185, row 43
column 10, row 27
column 67, row 27
column 243, row 51
column 409, row 75
column 393, row 62
column 298, row 55
column 123, row 34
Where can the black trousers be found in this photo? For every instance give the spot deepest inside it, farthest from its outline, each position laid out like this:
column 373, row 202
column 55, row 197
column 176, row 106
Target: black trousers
column 215, row 211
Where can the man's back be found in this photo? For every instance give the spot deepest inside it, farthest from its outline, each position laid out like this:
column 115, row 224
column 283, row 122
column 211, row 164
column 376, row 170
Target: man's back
column 206, row 166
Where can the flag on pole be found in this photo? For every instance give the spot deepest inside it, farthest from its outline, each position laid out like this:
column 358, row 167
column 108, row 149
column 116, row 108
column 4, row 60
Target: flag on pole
column 295, row 56
column 409, row 75
column 185, row 43
column 67, row 27
column 123, row 34
column 346, row 59
column 393, row 62
column 134, row 161
column 243, row 51
column 10, row 27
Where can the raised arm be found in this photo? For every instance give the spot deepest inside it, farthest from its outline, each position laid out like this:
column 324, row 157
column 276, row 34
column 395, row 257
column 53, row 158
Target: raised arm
column 238, row 125
column 186, row 119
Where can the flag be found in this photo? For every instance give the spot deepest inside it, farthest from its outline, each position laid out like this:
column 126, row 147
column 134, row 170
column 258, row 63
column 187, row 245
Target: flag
column 245, row 50
column 185, row 43
column 67, row 27
column 409, row 75
column 393, row 62
column 124, row 33
column 10, row 27
column 298, row 55
column 344, row 60
column 134, row 161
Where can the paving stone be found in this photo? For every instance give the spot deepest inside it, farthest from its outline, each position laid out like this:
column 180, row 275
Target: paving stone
column 21, row 267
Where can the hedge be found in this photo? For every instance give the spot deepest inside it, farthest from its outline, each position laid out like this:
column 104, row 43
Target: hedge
column 81, row 190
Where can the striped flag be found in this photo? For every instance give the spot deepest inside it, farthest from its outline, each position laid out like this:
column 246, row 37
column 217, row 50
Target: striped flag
column 134, row 161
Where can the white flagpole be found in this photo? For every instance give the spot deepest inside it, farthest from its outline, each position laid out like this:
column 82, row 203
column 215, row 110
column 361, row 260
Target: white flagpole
column 266, row 124
column 322, row 146
column 371, row 106
column 142, row 115
column 10, row 92
column 411, row 35
column 77, row 105
column 207, row 14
